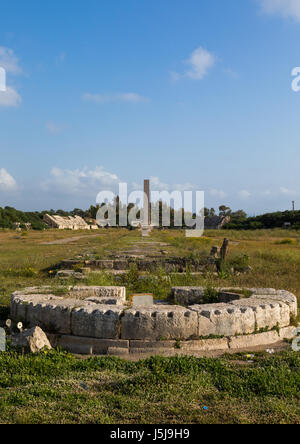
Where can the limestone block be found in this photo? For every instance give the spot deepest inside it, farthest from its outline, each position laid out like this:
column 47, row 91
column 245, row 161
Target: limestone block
column 20, row 304
column 117, row 351
column 205, row 345
column 287, row 332
column 285, row 297
column 69, row 274
column 54, row 316
column 187, row 295
column 244, row 342
column 86, row 346
column 104, row 265
column 159, row 322
column 151, row 345
column 256, row 291
column 84, row 292
column 34, row 339
column 224, row 319
column 99, row 321
column 142, row 300
column 268, row 313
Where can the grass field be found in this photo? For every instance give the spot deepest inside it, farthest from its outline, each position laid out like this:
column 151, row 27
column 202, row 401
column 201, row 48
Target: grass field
column 58, row 387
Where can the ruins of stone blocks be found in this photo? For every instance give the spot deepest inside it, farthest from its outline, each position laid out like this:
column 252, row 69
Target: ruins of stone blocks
column 67, row 222
column 93, row 314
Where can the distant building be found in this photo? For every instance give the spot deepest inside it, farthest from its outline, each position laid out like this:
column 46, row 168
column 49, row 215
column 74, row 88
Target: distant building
column 66, row 223
column 215, row 222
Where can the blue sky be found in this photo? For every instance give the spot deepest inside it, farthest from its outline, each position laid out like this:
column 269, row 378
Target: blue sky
column 194, row 94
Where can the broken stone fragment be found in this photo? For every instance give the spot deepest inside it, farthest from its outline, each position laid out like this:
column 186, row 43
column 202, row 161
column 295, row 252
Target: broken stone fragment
column 34, row 340
column 67, row 274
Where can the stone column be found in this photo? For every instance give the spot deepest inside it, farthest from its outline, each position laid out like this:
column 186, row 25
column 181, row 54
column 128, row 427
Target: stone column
column 147, row 206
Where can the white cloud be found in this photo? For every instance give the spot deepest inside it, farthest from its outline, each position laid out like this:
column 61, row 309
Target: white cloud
column 85, row 181
column 10, row 97
column 199, row 64
column 266, row 193
column 244, row 194
column 54, row 128
column 114, row 98
column 9, row 61
column 158, row 185
column 217, row 193
column 285, row 8
column 7, row 182
column 284, row 190
column 184, row 187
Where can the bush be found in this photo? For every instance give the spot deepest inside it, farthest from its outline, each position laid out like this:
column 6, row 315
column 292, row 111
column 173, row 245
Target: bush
column 240, row 263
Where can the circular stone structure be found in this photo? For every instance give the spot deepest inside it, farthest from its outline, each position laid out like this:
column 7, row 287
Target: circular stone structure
column 99, row 320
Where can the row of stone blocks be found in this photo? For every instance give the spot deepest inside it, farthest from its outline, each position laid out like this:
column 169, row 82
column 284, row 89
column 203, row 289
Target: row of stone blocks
column 169, row 264
column 120, row 347
column 89, row 312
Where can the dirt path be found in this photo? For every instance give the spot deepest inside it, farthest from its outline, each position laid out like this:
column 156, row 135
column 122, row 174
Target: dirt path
column 68, row 240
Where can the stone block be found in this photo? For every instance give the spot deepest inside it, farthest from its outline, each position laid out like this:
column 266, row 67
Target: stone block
column 224, row 319
column 287, row 332
column 85, row 292
column 117, row 351
column 54, row 316
column 205, row 345
column 268, row 313
column 159, row 322
column 256, row 340
column 104, row 265
column 34, row 340
column 142, row 300
column 101, row 321
column 152, row 345
column 85, row 345
column 282, row 296
column 21, row 304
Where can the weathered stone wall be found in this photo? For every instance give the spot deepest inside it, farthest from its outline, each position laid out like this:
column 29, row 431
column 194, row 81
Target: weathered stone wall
column 103, row 313
column 180, row 265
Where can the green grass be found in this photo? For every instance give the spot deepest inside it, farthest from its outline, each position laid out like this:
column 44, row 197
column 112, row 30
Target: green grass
column 58, row 388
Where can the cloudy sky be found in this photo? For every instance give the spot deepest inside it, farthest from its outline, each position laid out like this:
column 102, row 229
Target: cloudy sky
column 195, row 95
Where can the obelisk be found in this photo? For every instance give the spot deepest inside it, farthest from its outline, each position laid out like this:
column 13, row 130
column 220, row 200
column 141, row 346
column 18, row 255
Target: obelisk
column 146, row 228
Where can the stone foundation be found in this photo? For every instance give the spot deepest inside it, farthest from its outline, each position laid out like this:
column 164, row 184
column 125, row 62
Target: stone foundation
column 93, row 314
column 180, row 265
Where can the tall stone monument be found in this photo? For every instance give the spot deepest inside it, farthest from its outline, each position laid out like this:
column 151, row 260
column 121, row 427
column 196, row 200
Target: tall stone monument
column 146, row 227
